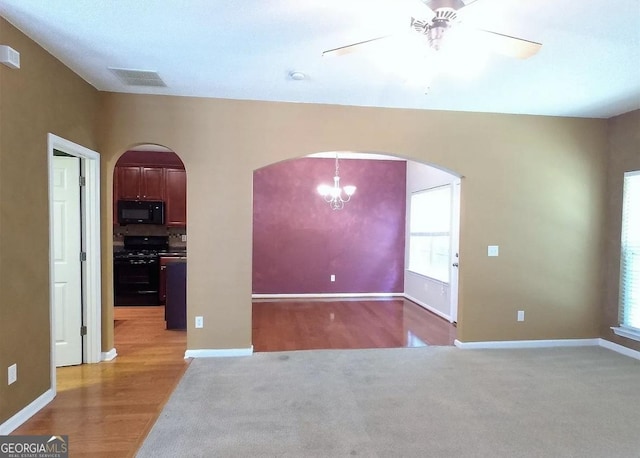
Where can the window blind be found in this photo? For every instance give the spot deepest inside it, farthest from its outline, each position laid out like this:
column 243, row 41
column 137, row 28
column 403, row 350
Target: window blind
column 430, row 233
column 630, row 253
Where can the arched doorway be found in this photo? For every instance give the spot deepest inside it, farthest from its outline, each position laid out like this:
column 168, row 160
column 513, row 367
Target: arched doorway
column 150, row 237
column 304, row 251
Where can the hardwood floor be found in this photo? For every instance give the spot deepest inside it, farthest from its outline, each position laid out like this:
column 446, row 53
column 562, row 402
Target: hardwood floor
column 307, row 325
column 107, row 409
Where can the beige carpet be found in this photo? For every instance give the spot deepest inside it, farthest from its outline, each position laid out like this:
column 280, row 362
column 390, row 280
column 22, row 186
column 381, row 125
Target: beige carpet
column 422, row 402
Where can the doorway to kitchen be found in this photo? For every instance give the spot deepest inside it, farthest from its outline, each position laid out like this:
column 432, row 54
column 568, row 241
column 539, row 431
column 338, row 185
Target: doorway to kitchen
column 150, row 237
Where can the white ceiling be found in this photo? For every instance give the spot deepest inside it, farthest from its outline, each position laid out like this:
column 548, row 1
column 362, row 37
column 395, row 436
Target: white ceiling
column 589, row 64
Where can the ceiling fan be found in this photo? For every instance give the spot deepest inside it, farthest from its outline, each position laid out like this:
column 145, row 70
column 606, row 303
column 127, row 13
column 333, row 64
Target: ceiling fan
column 442, row 18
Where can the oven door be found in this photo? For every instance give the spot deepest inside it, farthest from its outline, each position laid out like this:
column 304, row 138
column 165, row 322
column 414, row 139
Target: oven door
column 135, row 282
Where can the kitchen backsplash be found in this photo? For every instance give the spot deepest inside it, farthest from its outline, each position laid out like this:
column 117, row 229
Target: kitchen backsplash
column 175, row 233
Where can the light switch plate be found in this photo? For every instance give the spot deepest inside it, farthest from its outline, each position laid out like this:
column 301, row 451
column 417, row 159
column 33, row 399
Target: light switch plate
column 12, row 374
column 493, row 250
column 199, row 322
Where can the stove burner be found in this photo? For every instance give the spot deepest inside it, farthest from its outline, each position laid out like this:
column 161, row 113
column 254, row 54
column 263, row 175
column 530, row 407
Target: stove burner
column 135, row 254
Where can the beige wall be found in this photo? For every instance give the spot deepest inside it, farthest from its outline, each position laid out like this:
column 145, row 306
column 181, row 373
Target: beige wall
column 624, row 155
column 534, row 186
column 42, row 97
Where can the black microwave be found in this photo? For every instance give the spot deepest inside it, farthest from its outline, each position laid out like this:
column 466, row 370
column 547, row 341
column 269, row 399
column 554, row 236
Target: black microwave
column 140, row 212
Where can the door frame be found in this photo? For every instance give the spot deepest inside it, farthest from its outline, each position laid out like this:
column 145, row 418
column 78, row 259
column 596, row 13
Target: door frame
column 91, row 269
column 454, row 237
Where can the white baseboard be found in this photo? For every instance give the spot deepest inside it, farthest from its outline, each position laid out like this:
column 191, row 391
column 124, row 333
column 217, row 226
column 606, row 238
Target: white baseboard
column 529, row 343
column 323, row 295
column 620, row 349
column 218, row 353
column 550, row 344
column 428, row 307
column 28, row 412
column 108, row 355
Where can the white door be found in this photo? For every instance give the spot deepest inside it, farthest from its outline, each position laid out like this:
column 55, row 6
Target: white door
column 67, row 289
column 455, row 249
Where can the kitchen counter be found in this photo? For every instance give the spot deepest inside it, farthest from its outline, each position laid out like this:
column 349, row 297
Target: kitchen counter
column 173, row 253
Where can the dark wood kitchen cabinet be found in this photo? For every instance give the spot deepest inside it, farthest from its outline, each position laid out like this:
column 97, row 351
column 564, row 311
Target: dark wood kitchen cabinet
column 145, row 175
column 176, row 197
column 140, row 183
column 162, row 281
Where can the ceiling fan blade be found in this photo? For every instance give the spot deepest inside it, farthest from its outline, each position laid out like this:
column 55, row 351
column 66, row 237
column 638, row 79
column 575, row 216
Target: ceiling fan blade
column 469, row 2
column 510, row 46
column 353, row 47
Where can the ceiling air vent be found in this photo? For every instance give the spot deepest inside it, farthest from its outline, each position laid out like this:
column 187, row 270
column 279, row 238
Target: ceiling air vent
column 138, row 77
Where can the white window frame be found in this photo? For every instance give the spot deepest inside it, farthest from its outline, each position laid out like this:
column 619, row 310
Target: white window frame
column 443, row 276
column 629, row 302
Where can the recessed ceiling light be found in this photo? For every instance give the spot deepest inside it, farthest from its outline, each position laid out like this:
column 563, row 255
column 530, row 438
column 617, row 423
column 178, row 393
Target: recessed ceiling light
column 298, row 76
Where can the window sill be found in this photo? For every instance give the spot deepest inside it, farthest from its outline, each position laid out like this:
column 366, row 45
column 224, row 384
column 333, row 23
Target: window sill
column 428, row 277
column 629, row 333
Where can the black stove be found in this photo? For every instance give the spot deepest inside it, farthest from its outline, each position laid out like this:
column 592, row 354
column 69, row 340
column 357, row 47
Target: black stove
column 136, row 271
column 143, row 246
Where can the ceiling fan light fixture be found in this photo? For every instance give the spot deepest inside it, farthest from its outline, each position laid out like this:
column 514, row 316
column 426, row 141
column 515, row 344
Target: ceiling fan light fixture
column 436, row 33
column 448, row 47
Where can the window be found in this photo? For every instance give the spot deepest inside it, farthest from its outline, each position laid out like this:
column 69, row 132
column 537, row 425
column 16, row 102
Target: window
column 430, row 232
column 630, row 258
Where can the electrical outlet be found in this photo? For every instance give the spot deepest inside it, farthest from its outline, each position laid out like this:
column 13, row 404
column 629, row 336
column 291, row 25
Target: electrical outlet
column 12, row 374
column 333, row 277
column 199, row 322
column 184, row 237
column 520, row 315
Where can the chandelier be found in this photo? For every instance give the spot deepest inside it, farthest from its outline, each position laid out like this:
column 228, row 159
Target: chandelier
column 333, row 195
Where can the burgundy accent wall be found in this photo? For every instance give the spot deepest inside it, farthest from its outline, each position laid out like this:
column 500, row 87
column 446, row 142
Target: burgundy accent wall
column 298, row 241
